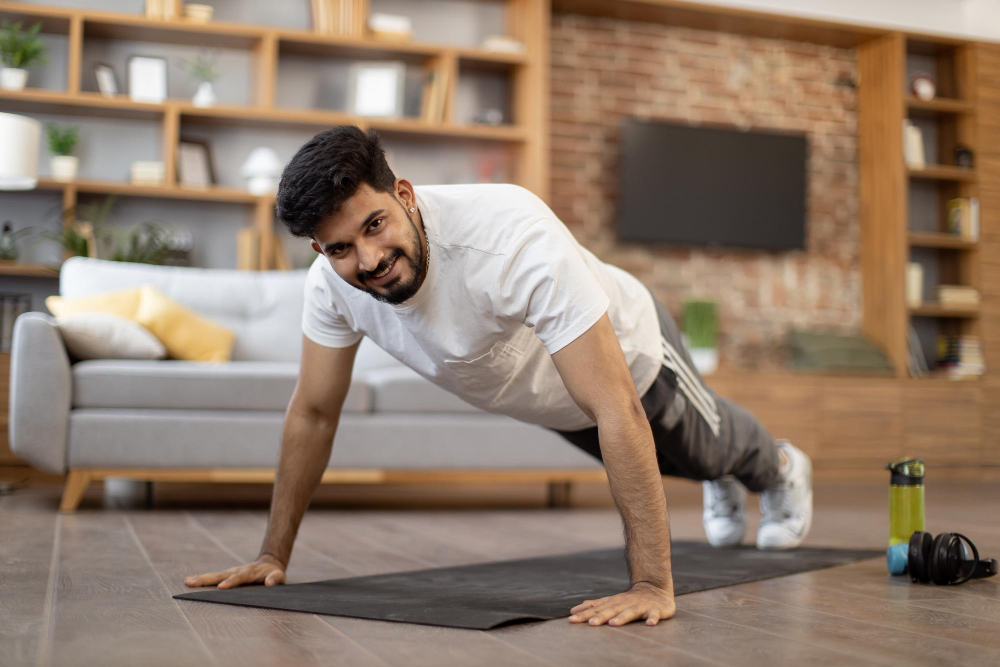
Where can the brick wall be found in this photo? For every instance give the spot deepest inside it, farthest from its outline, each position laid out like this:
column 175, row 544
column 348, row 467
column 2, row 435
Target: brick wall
column 605, row 68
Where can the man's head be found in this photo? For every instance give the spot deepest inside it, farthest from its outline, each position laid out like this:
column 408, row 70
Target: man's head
column 339, row 191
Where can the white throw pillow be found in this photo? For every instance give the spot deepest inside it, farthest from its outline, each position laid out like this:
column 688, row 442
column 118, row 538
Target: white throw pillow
column 107, row 336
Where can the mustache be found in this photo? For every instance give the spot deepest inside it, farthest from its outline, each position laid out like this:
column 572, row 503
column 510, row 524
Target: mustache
column 383, row 265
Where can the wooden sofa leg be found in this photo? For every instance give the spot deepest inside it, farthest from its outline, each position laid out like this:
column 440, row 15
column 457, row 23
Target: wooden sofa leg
column 559, row 494
column 77, row 482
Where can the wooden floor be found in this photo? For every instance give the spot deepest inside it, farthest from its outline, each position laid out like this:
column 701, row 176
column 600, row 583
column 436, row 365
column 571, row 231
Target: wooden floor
column 95, row 588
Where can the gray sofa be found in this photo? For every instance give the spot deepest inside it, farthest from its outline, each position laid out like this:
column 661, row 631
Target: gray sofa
column 196, row 421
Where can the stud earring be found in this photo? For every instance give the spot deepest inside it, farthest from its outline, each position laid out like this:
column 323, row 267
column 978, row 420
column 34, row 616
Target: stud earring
column 412, row 210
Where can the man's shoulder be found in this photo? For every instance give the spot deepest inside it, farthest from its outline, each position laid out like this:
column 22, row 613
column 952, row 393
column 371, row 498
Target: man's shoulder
column 487, row 217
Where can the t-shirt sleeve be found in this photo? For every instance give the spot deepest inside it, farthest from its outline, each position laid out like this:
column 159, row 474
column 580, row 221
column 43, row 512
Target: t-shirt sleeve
column 546, row 283
column 322, row 323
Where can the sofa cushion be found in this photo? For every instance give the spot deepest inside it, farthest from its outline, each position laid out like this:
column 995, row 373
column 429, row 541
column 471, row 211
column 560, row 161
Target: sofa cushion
column 401, row 389
column 263, row 308
column 183, row 385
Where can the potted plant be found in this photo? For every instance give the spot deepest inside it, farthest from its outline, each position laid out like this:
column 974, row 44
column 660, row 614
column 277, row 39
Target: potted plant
column 700, row 331
column 62, row 143
column 18, row 49
column 202, row 69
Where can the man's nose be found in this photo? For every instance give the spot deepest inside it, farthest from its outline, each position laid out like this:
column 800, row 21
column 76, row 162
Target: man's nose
column 368, row 257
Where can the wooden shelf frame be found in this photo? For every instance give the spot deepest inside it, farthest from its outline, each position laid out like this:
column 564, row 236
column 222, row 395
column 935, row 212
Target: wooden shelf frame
column 885, row 181
column 527, row 136
column 940, row 240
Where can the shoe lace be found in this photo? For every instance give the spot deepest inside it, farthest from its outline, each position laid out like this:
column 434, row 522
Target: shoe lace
column 725, row 499
column 774, row 505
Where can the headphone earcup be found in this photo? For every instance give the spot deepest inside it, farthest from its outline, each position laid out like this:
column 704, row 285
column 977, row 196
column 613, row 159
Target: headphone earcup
column 938, row 565
column 920, row 546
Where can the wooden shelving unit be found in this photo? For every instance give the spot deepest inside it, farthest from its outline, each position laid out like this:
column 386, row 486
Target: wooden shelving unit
column 892, row 233
column 527, row 136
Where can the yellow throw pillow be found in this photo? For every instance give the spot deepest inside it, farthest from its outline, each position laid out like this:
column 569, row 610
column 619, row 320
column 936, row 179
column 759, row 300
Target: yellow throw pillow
column 186, row 334
column 123, row 303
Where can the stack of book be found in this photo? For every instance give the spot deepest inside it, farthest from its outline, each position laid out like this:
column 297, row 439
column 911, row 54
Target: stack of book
column 957, row 296
column 147, row 172
column 345, row 18
column 960, row 356
column 435, row 96
column 162, row 9
column 963, row 217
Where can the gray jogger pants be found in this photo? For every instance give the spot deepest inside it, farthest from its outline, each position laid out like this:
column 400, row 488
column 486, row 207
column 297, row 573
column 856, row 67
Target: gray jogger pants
column 698, row 435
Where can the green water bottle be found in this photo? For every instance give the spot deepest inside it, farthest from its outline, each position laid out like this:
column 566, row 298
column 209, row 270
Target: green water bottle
column 906, row 509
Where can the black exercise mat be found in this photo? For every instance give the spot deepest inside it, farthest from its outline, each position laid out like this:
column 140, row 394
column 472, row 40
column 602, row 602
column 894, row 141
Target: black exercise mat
column 485, row 595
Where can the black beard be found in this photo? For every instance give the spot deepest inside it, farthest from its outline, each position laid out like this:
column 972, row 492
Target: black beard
column 397, row 291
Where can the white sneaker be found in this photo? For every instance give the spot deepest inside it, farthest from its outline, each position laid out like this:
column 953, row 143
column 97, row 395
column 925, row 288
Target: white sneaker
column 724, row 513
column 786, row 509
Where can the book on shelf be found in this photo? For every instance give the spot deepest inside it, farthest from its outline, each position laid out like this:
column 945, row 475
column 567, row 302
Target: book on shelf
column 963, row 217
column 960, row 356
column 957, row 295
column 913, row 146
column 918, row 362
column 344, row 18
column 434, row 97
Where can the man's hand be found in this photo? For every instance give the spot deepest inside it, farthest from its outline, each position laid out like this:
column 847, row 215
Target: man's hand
column 643, row 600
column 265, row 569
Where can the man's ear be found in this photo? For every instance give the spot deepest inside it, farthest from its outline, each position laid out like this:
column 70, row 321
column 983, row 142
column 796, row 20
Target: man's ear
column 316, row 247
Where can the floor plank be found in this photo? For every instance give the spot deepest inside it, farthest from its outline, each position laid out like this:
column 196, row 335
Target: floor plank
column 236, row 635
column 27, row 571
column 110, row 607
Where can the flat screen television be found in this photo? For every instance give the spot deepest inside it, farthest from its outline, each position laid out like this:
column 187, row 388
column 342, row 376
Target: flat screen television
column 707, row 186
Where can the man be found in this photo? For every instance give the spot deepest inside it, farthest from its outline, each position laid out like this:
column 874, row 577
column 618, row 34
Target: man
column 483, row 291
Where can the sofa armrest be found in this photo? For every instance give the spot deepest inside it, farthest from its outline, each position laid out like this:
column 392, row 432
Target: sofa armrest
column 40, row 392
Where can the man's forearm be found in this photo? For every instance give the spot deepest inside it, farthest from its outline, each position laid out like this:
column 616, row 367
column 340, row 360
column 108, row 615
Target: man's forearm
column 630, row 460
column 306, row 444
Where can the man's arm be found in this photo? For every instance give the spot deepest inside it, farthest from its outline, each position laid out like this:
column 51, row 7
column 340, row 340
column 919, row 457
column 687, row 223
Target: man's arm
column 597, row 376
column 306, row 443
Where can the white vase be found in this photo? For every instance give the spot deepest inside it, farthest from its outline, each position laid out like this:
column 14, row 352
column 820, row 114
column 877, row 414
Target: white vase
column 13, row 78
column 706, row 359
column 205, row 95
column 64, row 167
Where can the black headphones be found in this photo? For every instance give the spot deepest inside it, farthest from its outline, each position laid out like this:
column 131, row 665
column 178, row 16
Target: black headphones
column 941, row 559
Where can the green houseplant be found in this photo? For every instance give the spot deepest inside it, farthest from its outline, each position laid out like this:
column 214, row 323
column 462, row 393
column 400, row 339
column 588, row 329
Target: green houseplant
column 202, row 69
column 145, row 243
column 19, row 49
column 62, row 142
column 701, row 331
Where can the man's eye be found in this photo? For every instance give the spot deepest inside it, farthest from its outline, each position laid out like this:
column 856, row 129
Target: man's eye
column 374, row 226
column 337, row 250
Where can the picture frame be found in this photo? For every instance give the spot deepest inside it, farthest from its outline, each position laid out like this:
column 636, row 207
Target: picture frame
column 194, row 163
column 107, row 82
column 147, row 79
column 376, row 89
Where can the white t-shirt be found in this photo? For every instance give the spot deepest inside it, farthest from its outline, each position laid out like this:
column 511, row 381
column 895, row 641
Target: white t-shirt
column 507, row 286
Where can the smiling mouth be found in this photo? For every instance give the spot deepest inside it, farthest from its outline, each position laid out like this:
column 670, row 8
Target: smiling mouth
column 388, row 269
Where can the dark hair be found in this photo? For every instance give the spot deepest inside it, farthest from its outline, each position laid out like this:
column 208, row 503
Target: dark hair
column 326, row 172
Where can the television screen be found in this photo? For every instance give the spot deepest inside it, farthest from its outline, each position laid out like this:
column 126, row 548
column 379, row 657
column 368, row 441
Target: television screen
column 703, row 186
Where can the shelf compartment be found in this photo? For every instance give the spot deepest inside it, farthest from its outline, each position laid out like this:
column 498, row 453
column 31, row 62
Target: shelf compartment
column 943, row 172
column 940, row 240
column 932, row 309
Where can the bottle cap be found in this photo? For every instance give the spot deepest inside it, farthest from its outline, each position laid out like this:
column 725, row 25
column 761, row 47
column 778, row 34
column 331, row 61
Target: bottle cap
column 906, row 471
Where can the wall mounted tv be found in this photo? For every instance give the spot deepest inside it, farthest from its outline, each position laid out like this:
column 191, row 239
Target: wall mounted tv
column 708, row 186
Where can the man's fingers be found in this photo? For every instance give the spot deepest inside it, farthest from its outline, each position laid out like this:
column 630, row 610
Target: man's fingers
column 606, row 612
column 587, row 604
column 626, row 616
column 653, row 617
column 275, row 578
column 209, row 579
column 234, row 580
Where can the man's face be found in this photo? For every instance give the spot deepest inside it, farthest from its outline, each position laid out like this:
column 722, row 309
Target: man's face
column 373, row 243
